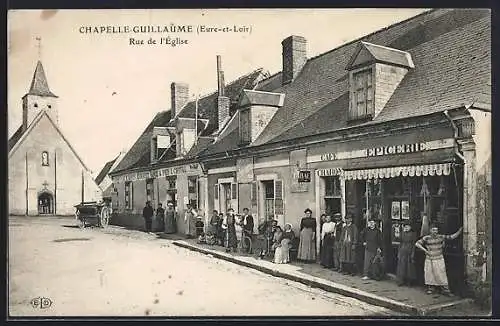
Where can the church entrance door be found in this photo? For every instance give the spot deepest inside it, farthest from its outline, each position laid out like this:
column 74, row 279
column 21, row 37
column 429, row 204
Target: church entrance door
column 45, row 203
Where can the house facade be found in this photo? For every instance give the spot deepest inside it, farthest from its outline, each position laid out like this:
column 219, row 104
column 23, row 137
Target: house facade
column 390, row 126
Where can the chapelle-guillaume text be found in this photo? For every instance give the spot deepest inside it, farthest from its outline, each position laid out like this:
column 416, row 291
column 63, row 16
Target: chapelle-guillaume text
column 172, row 28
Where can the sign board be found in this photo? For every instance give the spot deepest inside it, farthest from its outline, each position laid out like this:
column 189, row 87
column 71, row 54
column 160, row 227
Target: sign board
column 304, row 176
column 192, row 169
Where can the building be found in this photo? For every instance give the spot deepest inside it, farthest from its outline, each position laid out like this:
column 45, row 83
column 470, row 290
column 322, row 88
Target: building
column 103, row 179
column 46, row 175
column 162, row 165
column 394, row 125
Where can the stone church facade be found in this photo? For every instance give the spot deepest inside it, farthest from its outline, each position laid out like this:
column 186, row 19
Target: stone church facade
column 46, row 175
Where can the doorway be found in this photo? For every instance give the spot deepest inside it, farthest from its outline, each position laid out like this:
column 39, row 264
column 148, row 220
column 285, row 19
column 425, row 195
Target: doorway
column 45, row 203
column 225, row 203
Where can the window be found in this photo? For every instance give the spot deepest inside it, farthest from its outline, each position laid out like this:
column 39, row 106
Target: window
column 362, row 105
column 192, row 185
column 128, row 195
column 154, row 149
column 45, row 158
column 150, row 190
column 245, row 135
column 332, row 187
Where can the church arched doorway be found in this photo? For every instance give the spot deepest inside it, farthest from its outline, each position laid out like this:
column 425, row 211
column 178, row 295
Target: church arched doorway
column 45, row 203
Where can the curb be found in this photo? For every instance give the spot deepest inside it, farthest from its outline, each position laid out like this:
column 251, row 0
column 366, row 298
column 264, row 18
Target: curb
column 331, row 286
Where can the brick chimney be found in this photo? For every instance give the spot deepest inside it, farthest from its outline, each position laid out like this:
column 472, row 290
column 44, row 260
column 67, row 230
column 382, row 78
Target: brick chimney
column 294, row 57
column 223, row 102
column 179, row 93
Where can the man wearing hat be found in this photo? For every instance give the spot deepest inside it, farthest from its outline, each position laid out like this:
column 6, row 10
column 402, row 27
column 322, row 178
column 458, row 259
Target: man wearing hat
column 372, row 241
column 339, row 225
column 170, row 219
column 349, row 241
column 148, row 213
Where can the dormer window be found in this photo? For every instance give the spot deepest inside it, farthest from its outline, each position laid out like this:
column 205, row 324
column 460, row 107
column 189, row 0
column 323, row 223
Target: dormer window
column 45, row 158
column 362, row 92
column 375, row 72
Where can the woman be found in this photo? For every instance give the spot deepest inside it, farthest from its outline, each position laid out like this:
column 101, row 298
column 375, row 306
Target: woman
column 307, row 245
column 406, row 254
column 434, row 268
column 231, row 240
column 276, row 245
column 327, row 242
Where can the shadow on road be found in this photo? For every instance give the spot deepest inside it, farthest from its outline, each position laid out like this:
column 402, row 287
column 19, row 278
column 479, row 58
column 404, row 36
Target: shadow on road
column 71, row 226
column 71, row 239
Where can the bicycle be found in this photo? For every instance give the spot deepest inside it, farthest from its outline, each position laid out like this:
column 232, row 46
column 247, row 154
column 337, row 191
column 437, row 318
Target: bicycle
column 245, row 244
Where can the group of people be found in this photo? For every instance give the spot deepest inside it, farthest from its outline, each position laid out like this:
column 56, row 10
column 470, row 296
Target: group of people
column 164, row 220
column 227, row 229
column 340, row 238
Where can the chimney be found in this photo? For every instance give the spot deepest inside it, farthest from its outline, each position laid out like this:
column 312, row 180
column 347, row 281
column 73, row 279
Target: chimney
column 223, row 102
column 294, row 57
column 179, row 93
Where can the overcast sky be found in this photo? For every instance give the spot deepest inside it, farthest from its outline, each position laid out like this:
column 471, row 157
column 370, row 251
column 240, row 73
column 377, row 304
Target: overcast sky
column 109, row 90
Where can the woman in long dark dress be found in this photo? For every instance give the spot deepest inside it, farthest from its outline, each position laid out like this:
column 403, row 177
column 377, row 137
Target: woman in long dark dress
column 349, row 241
column 327, row 242
column 231, row 238
column 406, row 253
column 307, row 244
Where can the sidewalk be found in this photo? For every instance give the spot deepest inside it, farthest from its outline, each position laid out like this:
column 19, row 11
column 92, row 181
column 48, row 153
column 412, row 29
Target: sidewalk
column 407, row 300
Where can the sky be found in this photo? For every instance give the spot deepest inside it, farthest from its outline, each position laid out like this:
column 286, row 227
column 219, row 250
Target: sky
column 109, row 90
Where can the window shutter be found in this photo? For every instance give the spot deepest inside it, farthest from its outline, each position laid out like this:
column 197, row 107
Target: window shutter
column 216, row 197
column 278, row 197
column 234, row 190
column 131, row 195
column 253, row 195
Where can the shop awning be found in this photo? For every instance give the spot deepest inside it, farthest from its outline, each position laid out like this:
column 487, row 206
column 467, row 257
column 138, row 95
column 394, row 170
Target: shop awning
column 396, row 171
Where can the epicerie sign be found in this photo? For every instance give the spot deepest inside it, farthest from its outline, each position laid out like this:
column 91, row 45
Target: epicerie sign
column 376, row 151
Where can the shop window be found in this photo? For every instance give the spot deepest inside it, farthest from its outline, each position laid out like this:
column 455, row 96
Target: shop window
column 273, row 198
column 128, row 194
column 150, row 190
column 332, row 195
column 193, row 191
column 171, row 183
column 362, row 94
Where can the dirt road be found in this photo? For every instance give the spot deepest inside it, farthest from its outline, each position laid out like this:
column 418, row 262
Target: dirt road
column 118, row 272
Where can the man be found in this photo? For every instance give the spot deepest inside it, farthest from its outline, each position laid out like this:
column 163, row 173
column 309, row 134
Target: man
column 247, row 222
column 170, row 219
column 435, row 269
column 214, row 221
column 372, row 241
column 231, row 240
column 339, row 224
column 349, row 240
column 147, row 213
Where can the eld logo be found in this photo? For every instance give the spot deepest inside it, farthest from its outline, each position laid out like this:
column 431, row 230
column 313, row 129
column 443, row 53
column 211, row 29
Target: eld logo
column 42, row 303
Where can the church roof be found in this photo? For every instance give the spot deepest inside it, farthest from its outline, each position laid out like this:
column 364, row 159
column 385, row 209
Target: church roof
column 32, row 126
column 39, row 85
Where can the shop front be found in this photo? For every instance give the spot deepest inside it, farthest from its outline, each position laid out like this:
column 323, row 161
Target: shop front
column 394, row 180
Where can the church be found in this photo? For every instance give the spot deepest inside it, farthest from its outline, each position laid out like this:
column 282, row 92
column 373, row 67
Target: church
column 46, row 175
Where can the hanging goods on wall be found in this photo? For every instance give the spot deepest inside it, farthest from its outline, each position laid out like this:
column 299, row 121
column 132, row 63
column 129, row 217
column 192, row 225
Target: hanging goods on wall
column 425, row 219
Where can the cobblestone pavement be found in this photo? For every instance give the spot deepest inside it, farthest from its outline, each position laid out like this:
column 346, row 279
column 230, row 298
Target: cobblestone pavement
column 119, row 272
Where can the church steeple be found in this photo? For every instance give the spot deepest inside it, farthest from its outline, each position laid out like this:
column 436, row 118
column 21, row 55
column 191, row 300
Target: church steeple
column 39, row 85
column 39, row 98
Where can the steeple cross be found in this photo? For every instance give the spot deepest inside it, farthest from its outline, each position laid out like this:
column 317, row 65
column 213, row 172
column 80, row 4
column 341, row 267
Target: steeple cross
column 39, row 45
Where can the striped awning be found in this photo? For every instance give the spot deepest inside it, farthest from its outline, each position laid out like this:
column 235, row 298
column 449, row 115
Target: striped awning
column 396, row 171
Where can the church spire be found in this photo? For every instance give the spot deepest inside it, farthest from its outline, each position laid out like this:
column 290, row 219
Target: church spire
column 39, row 85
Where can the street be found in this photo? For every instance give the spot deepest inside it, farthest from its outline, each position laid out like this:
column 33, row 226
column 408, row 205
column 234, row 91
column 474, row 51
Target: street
column 119, row 272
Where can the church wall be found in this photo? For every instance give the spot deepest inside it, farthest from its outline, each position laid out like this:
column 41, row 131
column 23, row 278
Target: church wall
column 64, row 170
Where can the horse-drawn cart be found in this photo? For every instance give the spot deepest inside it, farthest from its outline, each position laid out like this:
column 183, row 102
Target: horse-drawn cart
column 92, row 213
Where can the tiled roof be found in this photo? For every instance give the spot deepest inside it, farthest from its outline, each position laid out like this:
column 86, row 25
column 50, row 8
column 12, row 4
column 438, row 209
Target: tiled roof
column 450, row 71
column 140, row 153
column 141, row 150
column 207, row 108
column 104, row 171
column 15, row 137
column 39, row 85
column 323, row 79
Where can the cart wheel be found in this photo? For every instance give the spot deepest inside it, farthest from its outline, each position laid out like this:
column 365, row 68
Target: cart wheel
column 104, row 220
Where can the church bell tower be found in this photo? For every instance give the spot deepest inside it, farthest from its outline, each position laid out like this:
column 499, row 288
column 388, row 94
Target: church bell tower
column 39, row 98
